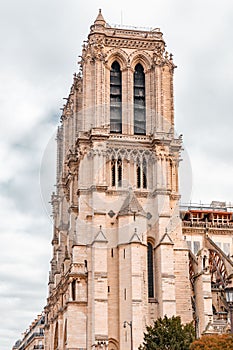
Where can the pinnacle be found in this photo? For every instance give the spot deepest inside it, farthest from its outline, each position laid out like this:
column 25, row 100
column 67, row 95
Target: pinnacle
column 100, row 19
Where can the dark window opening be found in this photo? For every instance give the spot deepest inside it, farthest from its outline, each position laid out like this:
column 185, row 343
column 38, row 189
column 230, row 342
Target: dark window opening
column 119, row 171
column 150, row 267
column 73, row 288
column 113, row 171
column 116, row 173
column 138, row 170
column 112, row 253
column 115, row 99
column 139, row 101
column 144, row 175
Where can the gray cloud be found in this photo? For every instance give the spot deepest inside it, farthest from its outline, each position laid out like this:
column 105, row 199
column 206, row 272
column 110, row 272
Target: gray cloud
column 40, row 44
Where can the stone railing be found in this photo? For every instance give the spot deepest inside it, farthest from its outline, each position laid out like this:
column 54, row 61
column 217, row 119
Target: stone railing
column 207, row 224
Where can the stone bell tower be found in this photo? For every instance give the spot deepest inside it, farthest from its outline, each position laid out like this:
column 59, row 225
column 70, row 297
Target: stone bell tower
column 118, row 254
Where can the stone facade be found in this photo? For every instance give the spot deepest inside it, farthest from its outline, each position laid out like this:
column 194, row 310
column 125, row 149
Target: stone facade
column 123, row 253
column 117, row 191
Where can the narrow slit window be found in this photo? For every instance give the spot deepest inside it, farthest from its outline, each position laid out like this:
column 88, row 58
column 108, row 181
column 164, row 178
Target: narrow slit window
column 144, row 175
column 73, row 287
column 150, row 267
column 139, row 101
column 138, row 175
column 119, row 171
column 115, row 99
column 113, row 172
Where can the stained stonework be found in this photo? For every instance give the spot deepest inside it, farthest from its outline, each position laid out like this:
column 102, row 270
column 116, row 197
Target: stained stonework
column 117, row 194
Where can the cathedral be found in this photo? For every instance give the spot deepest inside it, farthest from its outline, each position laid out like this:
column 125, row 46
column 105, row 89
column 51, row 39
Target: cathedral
column 124, row 252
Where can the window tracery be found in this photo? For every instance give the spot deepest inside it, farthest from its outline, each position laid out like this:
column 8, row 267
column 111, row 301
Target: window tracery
column 139, row 101
column 141, row 174
column 116, row 172
column 115, row 98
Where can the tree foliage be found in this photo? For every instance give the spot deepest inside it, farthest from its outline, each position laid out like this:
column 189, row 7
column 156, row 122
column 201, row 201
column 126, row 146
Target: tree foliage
column 168, row 334
column 213, row 342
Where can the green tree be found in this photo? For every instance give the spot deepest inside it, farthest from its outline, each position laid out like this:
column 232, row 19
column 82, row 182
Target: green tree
column 168, row 334
column 213, row 342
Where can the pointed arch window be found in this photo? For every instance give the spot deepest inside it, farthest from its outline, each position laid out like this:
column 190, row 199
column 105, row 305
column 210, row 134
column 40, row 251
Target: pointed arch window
column 139, row 101
column 141, row 174
column 144, row 174
column 113, row 173
column 150, row 267
column 115, row 98
column 116, row 172
column 138, row 174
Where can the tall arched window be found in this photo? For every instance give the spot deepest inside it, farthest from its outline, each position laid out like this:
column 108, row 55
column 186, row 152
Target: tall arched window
column 113, row 173
column 144, row 174
column 116, row 172
column 150, row 267
column 115, row 99
column 139, row 101
column 141, row 174
column 138, row 174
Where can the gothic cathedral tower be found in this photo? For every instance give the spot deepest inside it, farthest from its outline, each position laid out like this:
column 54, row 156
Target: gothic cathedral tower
column 119, row 260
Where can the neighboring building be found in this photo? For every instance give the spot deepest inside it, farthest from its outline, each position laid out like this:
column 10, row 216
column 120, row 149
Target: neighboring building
column 123, row 252
column 208, row 231
column 33, row 338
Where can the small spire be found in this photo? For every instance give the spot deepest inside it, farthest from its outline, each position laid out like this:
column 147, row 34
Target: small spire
column 100, row 19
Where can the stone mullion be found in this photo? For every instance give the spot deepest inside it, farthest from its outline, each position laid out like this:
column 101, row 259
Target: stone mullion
column 153, row 100
column 173, row 177
column 159, row 98
column 141, row 173
column 107, row 96
column 130, row 102
column 122, row 171
column 87, row 94
column 129, row 173
column 159, row 172
column 168, row 174
column 164, row 173
column 154, row 175
column 135, row 172
column 96, row 94
column 172, row 99
column 148, row 101
column 69, row 132
column 177, row 179
column 104, row 167
column 102, row 95
column 124, row 100
column 99, row 93
column 116, row 177
column 75, row 115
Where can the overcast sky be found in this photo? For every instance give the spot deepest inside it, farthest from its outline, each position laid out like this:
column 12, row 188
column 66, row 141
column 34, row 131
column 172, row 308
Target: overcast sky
column 40, row 42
